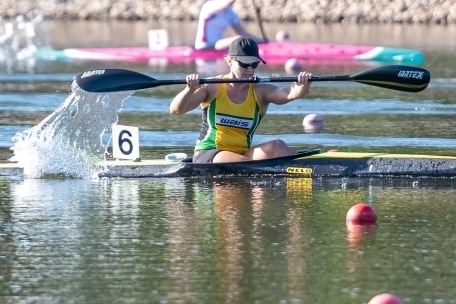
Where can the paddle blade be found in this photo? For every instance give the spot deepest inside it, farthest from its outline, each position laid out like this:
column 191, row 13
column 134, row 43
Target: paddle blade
column 396, row 77
column 113, row 80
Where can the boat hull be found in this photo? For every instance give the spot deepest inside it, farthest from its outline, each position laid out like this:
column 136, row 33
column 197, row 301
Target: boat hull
column 306, row 164
column 272, row 52
column 330, row 164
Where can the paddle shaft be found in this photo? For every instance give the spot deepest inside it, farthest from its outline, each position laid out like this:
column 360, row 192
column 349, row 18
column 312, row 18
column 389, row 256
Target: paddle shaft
column 252, row 80
column 395, row 77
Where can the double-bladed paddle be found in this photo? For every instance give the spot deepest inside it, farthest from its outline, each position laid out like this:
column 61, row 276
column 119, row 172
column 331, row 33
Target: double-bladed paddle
column 395, row 77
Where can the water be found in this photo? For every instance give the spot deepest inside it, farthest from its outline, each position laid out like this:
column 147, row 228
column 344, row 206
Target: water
column 271, row 240
column 213, row 241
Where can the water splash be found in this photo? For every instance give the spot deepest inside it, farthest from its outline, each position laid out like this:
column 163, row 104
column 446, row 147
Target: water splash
column 69, row 142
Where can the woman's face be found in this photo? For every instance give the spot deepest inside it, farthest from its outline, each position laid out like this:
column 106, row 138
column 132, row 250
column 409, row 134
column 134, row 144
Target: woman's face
column 242, row 70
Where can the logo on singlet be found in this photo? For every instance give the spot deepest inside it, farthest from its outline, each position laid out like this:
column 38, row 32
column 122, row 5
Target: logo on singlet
column 232, row 121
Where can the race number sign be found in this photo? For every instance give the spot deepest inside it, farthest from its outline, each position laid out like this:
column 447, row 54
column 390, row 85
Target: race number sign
column 125, row 142
column 158, row 39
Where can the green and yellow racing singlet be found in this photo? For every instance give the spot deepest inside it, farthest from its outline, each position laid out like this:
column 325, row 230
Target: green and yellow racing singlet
column 229, row 126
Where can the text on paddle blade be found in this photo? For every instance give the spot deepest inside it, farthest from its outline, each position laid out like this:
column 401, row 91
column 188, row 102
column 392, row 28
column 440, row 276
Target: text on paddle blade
column 92, row 73
column 410, row 74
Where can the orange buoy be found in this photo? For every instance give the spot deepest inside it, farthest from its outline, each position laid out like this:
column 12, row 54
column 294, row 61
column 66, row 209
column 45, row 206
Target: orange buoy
column 361, row 213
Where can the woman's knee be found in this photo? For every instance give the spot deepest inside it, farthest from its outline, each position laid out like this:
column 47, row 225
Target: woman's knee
column 273, row 146
column 278, row 144
column 280, row 148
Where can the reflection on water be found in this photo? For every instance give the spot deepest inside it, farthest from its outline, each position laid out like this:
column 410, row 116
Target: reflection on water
column 223, row 241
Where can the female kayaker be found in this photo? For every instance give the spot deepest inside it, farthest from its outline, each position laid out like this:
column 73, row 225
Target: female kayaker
column 232, row 111
column 215, row 17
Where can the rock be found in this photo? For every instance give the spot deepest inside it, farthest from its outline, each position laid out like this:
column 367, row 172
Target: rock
column 326, row 11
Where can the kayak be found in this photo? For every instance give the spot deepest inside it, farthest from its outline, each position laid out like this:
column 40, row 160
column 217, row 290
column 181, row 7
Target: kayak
column 304, row 164
column 273, row 52
column 308, row 164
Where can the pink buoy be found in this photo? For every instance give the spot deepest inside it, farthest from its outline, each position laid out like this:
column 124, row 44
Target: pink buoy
column 312, row 122
column 282, row 36
column 293, row 65
column 385, row 298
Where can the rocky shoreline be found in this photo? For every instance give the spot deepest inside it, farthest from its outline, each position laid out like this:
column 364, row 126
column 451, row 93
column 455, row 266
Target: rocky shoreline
column 442, row 12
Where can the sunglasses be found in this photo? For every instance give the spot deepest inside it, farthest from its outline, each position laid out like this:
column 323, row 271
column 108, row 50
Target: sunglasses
column 252, row 65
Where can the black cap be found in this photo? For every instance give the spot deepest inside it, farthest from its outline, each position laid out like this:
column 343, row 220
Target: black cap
column 245, row 50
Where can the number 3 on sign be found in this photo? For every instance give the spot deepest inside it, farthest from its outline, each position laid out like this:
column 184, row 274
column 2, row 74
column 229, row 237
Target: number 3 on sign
column 125, row 142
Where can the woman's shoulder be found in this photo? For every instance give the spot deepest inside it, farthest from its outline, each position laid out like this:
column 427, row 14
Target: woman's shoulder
column 265, row 87
column 213, row 87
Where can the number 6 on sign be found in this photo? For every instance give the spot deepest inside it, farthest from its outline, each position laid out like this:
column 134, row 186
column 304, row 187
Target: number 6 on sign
column 125, row 142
